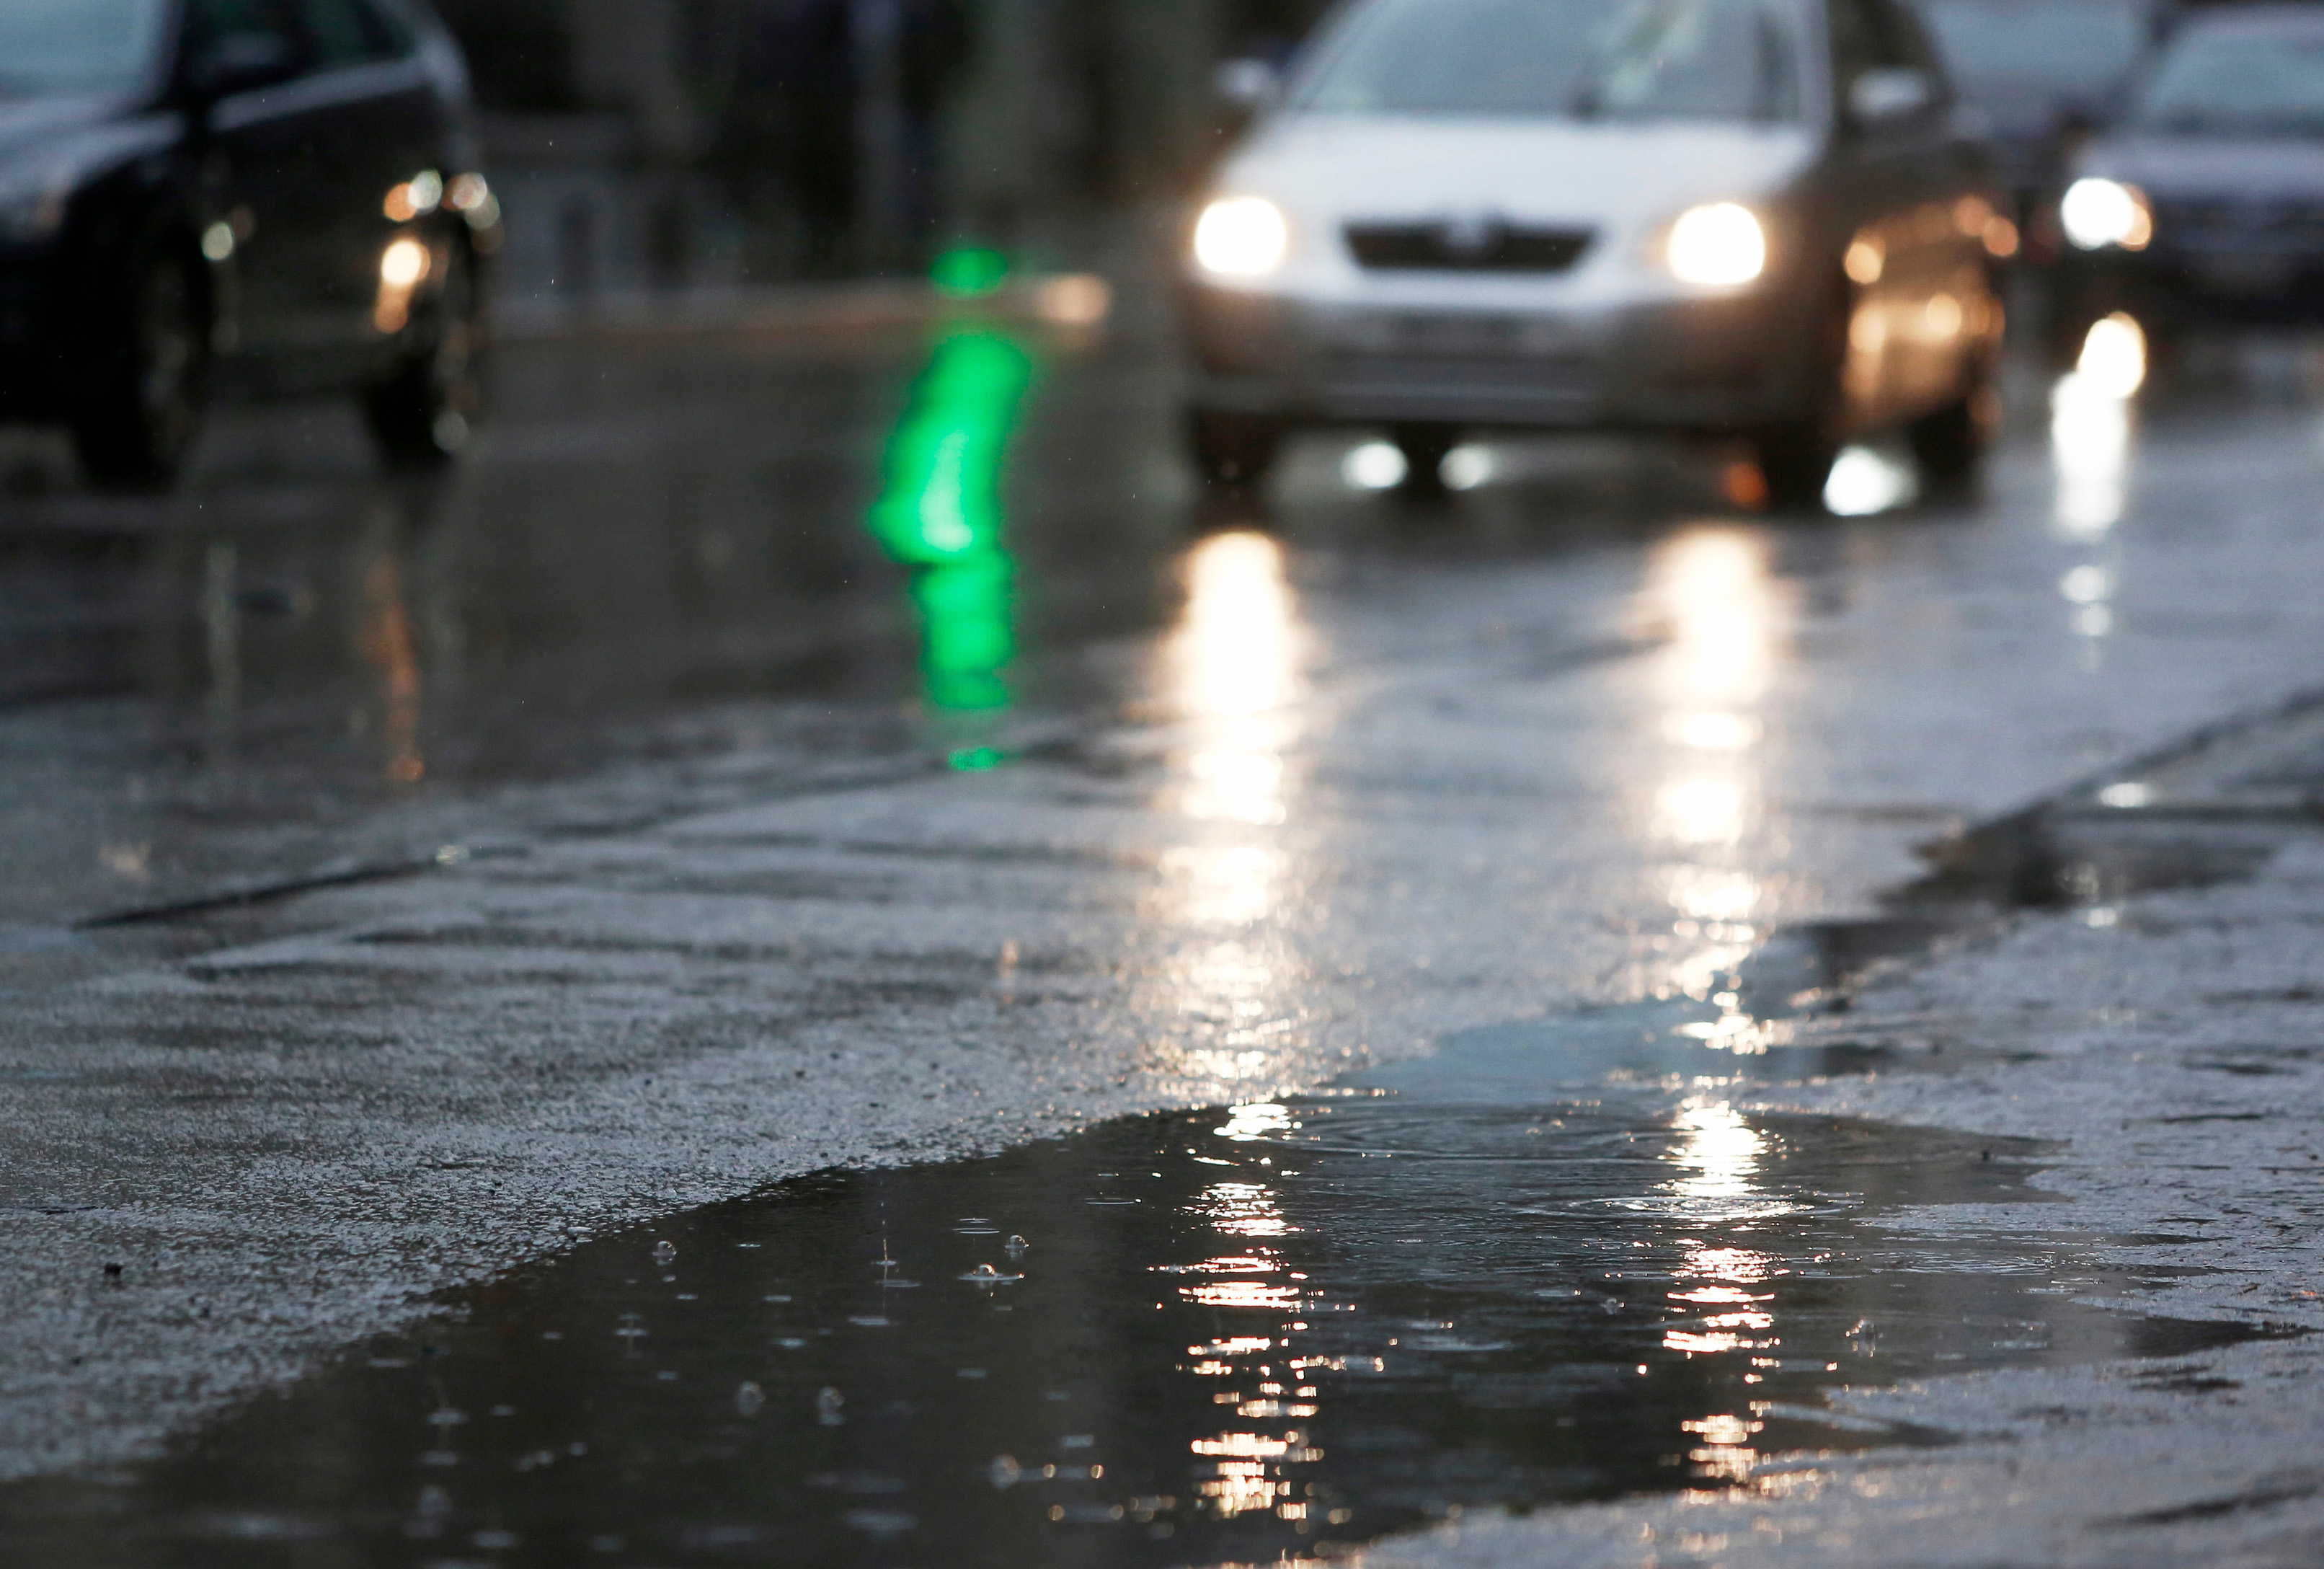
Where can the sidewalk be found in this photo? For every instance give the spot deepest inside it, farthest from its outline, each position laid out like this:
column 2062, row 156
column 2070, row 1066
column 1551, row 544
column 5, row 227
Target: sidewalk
column 2170, row 1044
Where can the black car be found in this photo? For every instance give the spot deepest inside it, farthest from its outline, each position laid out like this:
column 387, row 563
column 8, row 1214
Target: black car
column 2042, row 72
column 2204, row 203
column 281, row 195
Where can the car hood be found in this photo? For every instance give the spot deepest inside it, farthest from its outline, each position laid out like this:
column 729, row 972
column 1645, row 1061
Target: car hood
column 2208, row 166
column 1335, row 167
column 59, row 139
column 28, row 125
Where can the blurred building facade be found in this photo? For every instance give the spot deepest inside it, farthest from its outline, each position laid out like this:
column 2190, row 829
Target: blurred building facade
column 657, row 144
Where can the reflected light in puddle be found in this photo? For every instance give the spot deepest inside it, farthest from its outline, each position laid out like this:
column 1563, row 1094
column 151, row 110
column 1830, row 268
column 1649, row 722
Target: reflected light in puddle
column 1242, row 1209
column 1863, row 482
column 1705, row 970
column 1726, row 1454
column 1254, row 1122
column 1720, row 1147
column 1701, row 893
column 1242, row 1294
column 1245, row 1470
column 1744, row 1266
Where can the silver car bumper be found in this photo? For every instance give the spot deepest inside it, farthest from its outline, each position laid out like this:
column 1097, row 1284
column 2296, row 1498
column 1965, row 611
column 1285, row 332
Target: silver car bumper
column 1712, row 364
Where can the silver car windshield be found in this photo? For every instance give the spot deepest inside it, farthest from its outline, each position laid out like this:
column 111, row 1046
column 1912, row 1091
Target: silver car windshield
column 77, row 46
column 2221, row 83
column 1632, row 60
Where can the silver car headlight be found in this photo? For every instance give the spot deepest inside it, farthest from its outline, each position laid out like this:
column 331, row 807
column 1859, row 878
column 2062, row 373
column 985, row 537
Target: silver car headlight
column 2096, row 213
column 1241, row 236
column 1719, row 242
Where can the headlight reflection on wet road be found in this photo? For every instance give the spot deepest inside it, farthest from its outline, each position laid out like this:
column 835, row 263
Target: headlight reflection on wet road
column 2092, row 431
column 1715, row 590
column 1725, row 620
column 1234, row 671
column 1264, row 1374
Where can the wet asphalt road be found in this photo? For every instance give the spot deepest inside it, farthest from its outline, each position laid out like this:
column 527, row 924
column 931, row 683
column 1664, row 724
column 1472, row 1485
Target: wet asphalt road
column 414, row 882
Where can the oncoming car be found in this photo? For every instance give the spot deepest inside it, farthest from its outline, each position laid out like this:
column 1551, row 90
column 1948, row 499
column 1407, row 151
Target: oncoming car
column 1747, row 219
column 2042, row 74
column 286, row 192
column 2203, row 203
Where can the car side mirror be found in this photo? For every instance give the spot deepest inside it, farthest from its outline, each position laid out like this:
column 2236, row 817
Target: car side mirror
column 1890, row 96
column 1248, row 84
column 243, row 63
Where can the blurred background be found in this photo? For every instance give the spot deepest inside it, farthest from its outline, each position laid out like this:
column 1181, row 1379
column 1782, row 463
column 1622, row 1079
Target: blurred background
column 659, row 144
column 659, row 537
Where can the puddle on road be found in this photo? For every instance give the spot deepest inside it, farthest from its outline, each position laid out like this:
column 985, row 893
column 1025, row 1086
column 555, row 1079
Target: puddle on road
column 1229, row 1336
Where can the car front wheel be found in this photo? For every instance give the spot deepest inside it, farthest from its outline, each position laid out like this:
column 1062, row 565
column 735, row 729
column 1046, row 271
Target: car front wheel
column 1425, row 449
column 1949, row 443
column 144, row 408
column 1796, row 457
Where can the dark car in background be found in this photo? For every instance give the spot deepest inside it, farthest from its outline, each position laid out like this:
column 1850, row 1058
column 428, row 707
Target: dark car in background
column 2042, row 72
column 2203, row 203
column 280, row 195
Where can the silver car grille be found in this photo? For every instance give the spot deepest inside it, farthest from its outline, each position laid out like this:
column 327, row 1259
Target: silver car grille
column 1465, row 248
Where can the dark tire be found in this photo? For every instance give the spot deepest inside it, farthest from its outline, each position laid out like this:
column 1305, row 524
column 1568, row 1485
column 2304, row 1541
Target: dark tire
column 1232, row 451
column 1425, row 449
column 151, row 387
column 2069, row 328
column 1796, row 464
column 423, row 411
column 1796, row 457
column 1951, row 444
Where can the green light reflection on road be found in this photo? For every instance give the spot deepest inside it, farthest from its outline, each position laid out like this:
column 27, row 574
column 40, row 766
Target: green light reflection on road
column 940, row 513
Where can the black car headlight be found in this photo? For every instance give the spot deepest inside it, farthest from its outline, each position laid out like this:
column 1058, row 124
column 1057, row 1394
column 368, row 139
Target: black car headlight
column 2100, row 215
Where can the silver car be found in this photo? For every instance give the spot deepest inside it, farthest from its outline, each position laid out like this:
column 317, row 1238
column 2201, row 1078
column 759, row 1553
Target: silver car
column 1753, row 219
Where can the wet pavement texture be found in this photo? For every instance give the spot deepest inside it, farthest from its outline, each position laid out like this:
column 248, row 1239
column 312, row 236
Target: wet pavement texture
column 775, row 753
column 1226, row 1336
